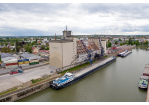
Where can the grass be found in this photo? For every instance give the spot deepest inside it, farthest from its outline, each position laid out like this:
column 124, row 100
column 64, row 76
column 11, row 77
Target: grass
column 8, row 91
column 76, row 68
column 38, row 80
column 142, row 46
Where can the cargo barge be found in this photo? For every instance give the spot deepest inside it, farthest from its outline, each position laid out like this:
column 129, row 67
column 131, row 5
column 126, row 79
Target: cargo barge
column 64, row 81
column 125, row 53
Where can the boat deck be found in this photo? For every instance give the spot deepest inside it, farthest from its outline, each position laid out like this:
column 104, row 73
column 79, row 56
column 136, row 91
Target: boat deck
column 92, row 67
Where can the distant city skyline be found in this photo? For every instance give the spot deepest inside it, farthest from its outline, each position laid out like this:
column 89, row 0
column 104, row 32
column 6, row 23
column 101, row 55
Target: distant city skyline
column 46, row 19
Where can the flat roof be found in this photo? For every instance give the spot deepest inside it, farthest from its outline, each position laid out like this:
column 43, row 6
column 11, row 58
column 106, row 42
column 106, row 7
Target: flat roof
column 61, row 41
column 3, row 55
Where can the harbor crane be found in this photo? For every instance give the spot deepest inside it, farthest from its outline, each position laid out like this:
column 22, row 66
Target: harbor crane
column 88, row 52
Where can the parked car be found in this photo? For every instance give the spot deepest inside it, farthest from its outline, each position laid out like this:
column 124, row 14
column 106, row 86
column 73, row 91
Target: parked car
column 16, row 70
column 13, row 71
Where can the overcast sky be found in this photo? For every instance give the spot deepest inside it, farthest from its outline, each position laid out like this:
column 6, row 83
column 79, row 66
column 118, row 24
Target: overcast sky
column 38, row 19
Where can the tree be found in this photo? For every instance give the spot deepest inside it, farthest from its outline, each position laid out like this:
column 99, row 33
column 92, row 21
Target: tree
column 5, row 50
column 120, row 40
column 12, row 44
column 29, row 49
column 47, row 48
column 109, row 44
column 0, row 58
column 42, row 47
column 13, row 49
column 121, row 44
column 130, row 41
column 116, row 42
column 137, row 42
column 6, row 44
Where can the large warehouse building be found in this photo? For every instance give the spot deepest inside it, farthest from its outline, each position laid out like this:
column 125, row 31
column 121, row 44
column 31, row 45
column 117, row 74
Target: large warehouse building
column 69, row 50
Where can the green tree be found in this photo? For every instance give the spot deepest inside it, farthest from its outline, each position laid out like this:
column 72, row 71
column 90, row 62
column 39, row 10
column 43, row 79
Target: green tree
column 47, row 48
column 6, row 44
column 13, row 49
column 42, row 47
column 116, row 42
column 5, row 50
column 0, row 59
column 120, row 40
column 12, row 44
column 109, row 44
column 29, row 49
column 137, row 42
column 130, row 41
column 121, row 44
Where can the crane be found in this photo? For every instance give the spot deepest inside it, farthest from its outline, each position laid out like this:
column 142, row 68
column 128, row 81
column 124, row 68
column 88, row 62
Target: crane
column 88, row 52
column 102, row 51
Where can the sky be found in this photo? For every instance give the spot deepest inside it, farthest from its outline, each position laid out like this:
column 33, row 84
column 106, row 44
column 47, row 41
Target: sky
column 46, row 19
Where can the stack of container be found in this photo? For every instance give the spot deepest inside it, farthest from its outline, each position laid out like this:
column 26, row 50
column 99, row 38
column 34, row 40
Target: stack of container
column 23, row 62
column 34, row 61
column 11, row 63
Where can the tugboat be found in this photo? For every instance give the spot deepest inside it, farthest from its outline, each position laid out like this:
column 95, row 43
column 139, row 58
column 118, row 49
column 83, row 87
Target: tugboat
column 143, row 83
column 62, row 81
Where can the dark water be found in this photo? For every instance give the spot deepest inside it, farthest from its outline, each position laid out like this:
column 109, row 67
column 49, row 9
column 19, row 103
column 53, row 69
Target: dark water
column 117, row 82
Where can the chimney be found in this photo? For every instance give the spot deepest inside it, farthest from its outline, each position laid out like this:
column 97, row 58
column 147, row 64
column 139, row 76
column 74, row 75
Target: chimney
column 55, row 36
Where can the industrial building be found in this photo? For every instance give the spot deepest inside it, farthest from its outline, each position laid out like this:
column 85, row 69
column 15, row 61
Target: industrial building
column 69, row 50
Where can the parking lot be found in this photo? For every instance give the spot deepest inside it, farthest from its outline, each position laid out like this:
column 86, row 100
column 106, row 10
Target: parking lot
column 8, row 81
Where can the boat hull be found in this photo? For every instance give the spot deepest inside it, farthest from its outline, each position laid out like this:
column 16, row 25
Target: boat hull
column 81, row 76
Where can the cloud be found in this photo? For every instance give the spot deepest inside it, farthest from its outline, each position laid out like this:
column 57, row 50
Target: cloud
column 50, row 18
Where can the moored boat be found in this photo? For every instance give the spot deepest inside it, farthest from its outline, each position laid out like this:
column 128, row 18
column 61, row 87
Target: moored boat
column 143, row 82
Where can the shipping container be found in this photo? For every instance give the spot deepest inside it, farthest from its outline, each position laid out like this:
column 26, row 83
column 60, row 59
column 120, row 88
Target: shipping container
column 11, row 67
column 9, row 64
column 26, row 62
column 20, row 63
column 22, row 60
column 33, row 63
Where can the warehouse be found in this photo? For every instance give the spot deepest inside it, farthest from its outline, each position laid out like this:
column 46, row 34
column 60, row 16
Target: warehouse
column 9, row 61
column 33, row 59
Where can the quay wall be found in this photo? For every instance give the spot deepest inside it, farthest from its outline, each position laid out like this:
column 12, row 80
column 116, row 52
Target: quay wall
column 25, row 92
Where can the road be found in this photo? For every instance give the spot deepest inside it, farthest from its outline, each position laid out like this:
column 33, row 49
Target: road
column 6, row 71
column 9, row 81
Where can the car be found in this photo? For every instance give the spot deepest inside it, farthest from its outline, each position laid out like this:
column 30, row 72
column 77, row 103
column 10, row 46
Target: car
column 16, row 70
column 13, row 71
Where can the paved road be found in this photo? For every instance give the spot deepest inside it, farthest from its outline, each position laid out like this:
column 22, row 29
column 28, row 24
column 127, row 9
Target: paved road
column 8, row 81
column 6, row 71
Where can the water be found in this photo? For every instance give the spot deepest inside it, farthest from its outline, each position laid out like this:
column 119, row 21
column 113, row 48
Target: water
column 117, row 82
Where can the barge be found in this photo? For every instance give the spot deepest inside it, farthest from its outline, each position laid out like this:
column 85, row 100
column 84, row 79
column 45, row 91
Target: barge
column 143, row 82
column 70, row 78
column 125, row 53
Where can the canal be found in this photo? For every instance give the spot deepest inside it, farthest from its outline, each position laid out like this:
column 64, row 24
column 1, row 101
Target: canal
column 117, row 82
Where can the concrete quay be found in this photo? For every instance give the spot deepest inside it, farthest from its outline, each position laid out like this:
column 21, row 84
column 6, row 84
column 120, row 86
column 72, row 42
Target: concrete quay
column 92, row 67
column 147, row 95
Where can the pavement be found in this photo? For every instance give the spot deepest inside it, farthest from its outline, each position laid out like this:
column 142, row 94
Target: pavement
column 7, row 71
column 8, row 81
